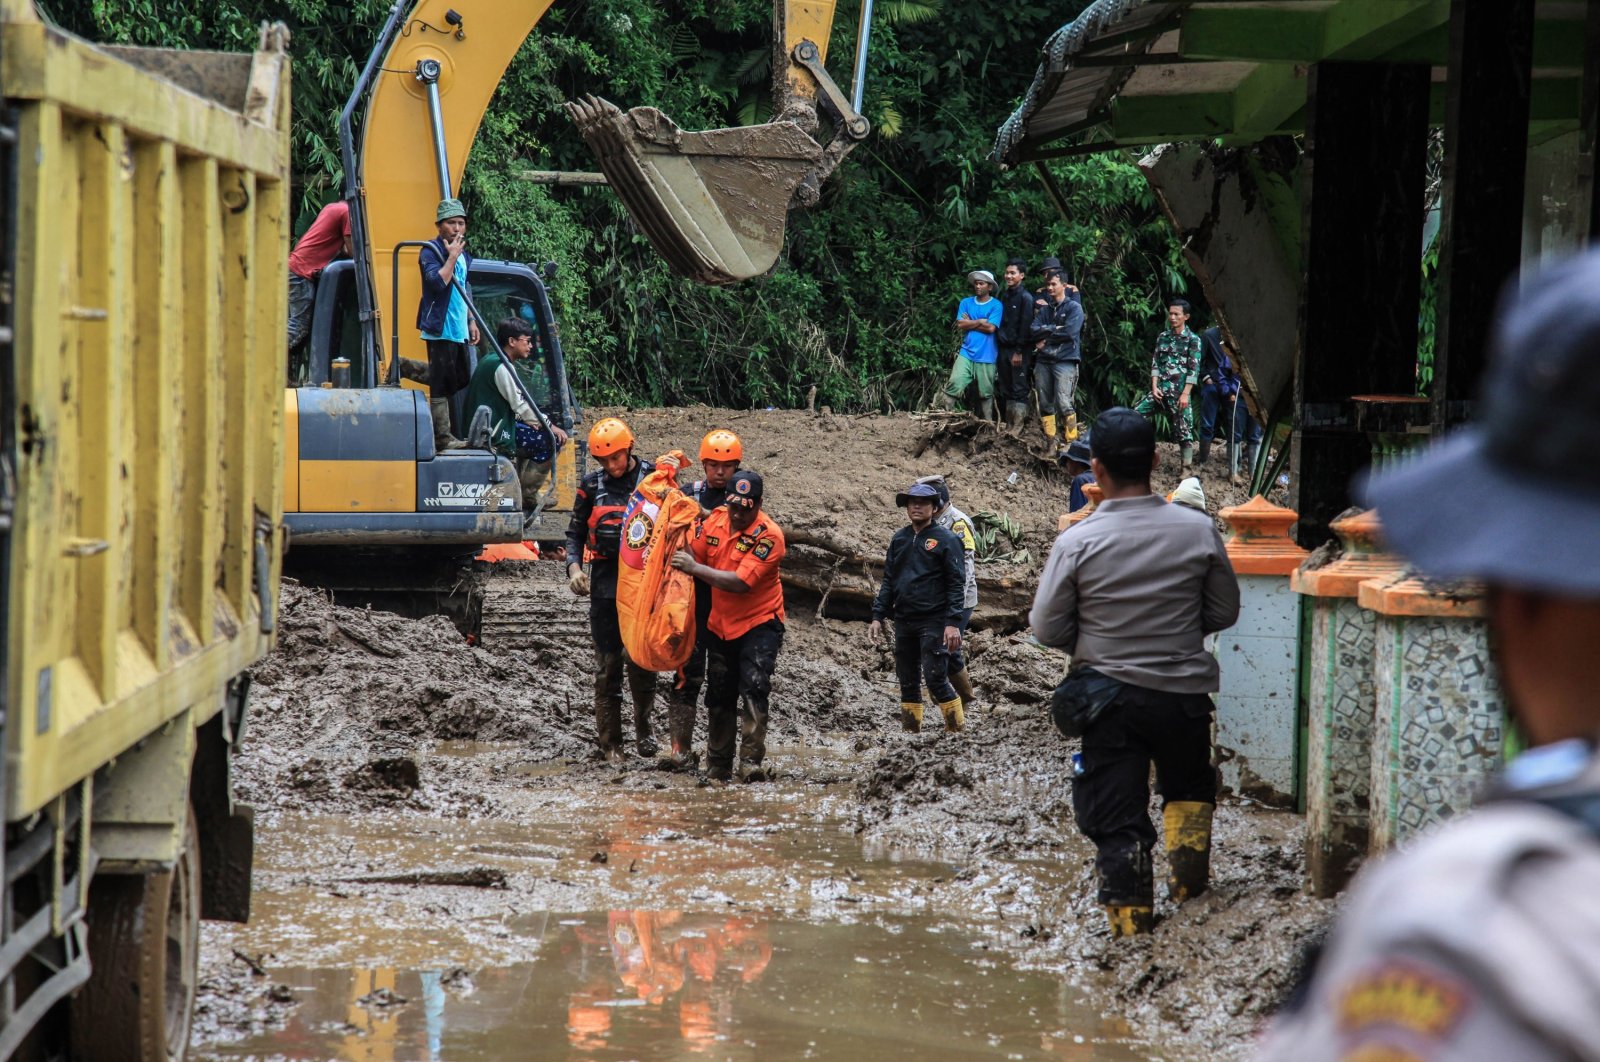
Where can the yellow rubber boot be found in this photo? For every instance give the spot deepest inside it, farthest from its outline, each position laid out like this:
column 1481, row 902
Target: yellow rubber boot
column 1130, row 921
column 954, row 718
column 911, row 715
column 1070, row 432
column 1188, row 835
column 963, row 684
column 1049, row 425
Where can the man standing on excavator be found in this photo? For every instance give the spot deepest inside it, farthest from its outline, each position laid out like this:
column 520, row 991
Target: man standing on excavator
column 447, row 326
column 720, row 454
column 595, row 535
column 519, row 430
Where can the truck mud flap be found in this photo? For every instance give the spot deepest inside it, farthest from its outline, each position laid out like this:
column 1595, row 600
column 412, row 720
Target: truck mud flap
column 227, row 829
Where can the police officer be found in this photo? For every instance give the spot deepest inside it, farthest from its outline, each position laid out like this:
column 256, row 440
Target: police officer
column 736, row 551
column 720, row 453
column 595, row 535
column 923, row 582
column 1482, row 939
column 959, row 524
column 1131, row 593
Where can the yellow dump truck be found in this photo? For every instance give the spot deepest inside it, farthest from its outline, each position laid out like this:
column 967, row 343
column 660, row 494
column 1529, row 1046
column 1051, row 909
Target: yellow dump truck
column 142, row 306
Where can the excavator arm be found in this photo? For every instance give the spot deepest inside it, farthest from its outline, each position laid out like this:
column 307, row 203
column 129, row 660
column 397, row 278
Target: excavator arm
column 714, row 203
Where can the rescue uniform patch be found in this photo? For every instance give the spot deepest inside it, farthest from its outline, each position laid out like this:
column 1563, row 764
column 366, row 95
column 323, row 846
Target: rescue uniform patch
column 764, row 549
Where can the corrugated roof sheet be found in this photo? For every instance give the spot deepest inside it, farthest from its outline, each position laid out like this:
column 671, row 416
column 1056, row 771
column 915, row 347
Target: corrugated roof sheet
column 1065, row 96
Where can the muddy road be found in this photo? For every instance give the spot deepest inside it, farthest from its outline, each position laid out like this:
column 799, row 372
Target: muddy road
column 444, row 872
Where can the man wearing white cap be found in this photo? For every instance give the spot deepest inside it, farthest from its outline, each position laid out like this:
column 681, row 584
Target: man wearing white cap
column 977, row 320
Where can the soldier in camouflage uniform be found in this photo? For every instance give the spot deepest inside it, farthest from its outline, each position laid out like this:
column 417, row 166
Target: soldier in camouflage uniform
column 1173, row 372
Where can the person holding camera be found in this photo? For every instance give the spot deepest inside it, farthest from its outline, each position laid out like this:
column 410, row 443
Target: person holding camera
column 1131, row 592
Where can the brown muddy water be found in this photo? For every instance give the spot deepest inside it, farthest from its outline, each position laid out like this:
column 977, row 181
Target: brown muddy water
column 648, row 918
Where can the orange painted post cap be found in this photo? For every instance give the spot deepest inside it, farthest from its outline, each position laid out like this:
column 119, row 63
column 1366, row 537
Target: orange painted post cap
column 1091, row 491
column 1404, row 594
column 1259, row 542
column 1361, row 535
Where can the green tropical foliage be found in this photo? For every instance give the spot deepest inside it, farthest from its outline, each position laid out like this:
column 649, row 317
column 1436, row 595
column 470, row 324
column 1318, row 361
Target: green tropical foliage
column 860, row 304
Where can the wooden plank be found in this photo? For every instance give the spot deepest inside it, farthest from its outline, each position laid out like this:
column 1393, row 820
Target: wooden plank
column 158, row 329
column 40, row 62
column 1485, row 166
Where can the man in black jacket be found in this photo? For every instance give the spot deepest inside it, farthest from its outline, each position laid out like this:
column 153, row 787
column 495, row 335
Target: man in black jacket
column 924, row 578
column 1015, row 345
column 595, row 535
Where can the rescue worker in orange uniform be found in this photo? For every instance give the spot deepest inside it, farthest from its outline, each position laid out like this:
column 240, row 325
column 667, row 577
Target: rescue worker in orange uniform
column 736, row 550
column 595, row 535
column 720, row 454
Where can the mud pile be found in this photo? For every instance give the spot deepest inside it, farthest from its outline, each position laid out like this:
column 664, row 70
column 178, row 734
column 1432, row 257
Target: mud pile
column 350, row 695
column 841, row 472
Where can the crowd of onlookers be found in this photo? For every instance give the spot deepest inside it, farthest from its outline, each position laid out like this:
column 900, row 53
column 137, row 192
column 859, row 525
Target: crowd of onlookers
column 1022, row 346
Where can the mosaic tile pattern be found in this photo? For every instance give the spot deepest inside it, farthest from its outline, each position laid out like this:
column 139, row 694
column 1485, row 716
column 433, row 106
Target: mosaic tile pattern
column 1440, row 723
column 1339, row 745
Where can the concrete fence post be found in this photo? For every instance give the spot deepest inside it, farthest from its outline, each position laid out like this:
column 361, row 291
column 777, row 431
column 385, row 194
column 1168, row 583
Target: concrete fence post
column 1257, row 737
column 1340, row 702
column 1440, row 724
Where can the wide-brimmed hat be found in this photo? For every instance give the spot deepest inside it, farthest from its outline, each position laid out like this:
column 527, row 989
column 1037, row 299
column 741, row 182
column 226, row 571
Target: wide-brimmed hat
column 1514, row 498
column 981, row 274
column 917, row 490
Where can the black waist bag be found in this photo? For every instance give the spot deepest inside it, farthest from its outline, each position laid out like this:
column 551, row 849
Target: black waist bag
column 1081, row 699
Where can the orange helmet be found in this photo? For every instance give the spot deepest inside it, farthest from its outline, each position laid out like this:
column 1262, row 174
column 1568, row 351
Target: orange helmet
column 608, row 437
column 721, row 444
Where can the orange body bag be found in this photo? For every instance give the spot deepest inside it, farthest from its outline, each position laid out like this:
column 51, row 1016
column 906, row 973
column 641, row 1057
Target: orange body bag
column 655, row 601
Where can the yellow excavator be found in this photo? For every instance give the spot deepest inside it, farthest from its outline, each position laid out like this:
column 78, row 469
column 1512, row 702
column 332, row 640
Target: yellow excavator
column 373, row 511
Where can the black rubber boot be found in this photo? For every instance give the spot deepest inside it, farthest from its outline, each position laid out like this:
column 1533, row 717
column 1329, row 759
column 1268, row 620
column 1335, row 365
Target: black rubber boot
column 643, row 685
column 608, row 703
column 1205, row 452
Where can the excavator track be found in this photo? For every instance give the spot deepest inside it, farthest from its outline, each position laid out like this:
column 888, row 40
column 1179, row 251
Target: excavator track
column 527, row 605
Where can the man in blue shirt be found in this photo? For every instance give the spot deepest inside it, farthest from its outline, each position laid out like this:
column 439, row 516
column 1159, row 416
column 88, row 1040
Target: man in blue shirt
column 977, row 321
column 447, row 328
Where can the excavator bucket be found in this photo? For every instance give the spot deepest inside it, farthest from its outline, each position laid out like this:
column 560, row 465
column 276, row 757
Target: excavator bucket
column 712, row 203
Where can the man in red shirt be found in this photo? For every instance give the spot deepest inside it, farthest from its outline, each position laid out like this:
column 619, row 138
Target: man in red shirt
column 736, row 551
column 326, row 239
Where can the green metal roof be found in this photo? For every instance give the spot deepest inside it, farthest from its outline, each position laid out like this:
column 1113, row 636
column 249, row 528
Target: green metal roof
column 1134, row 72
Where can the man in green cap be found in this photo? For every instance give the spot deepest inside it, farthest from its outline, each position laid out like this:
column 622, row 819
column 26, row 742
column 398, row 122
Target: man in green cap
column 442, row 316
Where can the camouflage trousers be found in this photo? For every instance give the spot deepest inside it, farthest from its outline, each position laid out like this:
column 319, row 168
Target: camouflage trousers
column 1182, row 420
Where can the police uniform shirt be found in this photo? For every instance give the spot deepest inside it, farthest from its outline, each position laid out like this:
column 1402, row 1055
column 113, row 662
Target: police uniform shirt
column 1480, row 942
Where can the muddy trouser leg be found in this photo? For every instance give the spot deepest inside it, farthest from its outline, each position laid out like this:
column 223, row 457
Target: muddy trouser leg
column 958, row 659
column 935, row 660
column 685, row 695
column 758, row 659
column 722, row 705
column 1065, row 380
column 642, row 684
column 682, row 700
column 608, row 672
column 1044, row 383
column 1111, row 801
column 302, row 295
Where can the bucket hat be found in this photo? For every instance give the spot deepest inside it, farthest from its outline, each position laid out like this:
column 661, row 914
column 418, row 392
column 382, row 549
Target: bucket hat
column 917, row 490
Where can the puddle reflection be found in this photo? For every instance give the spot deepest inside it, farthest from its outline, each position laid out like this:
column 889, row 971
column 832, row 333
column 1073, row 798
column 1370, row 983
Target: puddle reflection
column 669, row 984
